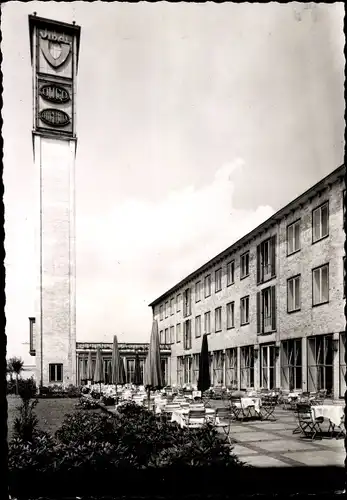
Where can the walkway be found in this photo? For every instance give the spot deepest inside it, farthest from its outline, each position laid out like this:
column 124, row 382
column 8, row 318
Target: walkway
column 273, row 444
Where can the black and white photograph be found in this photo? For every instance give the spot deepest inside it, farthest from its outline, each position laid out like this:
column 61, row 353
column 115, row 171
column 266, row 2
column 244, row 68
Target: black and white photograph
column 175, row 217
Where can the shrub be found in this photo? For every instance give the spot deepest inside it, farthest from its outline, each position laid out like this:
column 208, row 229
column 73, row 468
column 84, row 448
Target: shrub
column 26, row 423
column 87, row 404
column 108, row 400
column 11, row 387
column 27, row 388
column 85, row 389
column 73, row 391
column 95, row 395
column 82, row 427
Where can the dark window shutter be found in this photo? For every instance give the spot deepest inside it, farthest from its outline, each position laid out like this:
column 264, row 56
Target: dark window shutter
column 258, row 312
column 258, row 264
column 273, row 255
column 273, row 307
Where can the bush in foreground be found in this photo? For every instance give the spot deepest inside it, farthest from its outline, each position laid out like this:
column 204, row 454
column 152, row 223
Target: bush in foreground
column 103, row 447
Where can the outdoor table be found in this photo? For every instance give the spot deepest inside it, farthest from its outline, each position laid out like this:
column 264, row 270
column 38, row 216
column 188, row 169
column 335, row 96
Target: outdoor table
column 334, row 413
column 246, row 402
column 179, row 414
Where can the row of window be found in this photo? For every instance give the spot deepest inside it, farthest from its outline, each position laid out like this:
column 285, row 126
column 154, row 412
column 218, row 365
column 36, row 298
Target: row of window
column 266, row 263
column 265, row 309
column 225, row 370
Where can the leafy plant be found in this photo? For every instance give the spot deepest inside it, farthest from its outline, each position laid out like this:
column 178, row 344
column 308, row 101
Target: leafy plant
column 15, row 365
column 27, row 389
column 26, row 423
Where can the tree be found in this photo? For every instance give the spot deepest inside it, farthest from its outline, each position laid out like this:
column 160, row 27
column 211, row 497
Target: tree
column 9, row 370
column 16, row 365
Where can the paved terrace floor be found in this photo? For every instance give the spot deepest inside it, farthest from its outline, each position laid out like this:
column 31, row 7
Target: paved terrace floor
column 273, row 444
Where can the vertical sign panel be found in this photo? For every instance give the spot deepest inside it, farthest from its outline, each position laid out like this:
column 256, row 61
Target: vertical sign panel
column 54, row 53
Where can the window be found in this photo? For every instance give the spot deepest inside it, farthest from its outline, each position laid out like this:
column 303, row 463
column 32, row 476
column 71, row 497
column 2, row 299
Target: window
column 130, row 371
column 217, row 365
column 244, row 265
column 166, row 309
column 293, row 237
column 320, row 363
column 267, row 366
column 218, row 319
column 195, row 374
column 178, row 332
column 291, row 364
column 187, row 368
column 187, row 340
column 247, row 367
column 178, row 302
column 161, row 313
column 56, row 372
column 198, row 326
column 343, row 206
column 320, row 222
column 266, row 310
column 266, row 260
column 230, row 314
column 218, row 280
column 344, row 276
column 187, row 302
column 172, row 334
column 231, row 368
column 207, row 322
column 172, row 306
column 167, row 340
column 180, row 370
column 207, row 285
column 245, row 310
column 161, row 337
column 197, row 291
column 293, row 294
column 230, row 272
column 320, row 285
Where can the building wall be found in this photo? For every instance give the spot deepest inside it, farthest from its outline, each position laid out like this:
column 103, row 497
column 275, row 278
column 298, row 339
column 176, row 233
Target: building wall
column 322, row 319
column 55, row 340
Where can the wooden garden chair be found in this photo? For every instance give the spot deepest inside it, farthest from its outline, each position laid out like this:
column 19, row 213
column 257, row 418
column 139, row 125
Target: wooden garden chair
column 268, row 405
column 307, row 425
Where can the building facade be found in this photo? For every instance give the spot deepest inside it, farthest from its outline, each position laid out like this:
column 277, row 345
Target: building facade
column 127, row 352
column 272, row 304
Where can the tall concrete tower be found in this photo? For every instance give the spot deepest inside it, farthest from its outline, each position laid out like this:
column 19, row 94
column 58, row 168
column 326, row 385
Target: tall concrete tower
column 54, row 56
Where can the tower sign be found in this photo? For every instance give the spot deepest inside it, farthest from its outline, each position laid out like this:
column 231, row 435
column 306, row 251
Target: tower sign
column 54, row 52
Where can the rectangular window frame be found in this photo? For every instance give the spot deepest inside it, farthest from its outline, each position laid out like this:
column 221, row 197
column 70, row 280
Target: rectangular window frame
column 313, row 271
column 231, row 306
column 218, row 314
column 198, row 291
column 209, row 290
column 178, row 333
column 243, row 256
column 172, row 306
column 244, row 323
column 207, row 314
column 293, row 278
column 166, row 309
column 312, row 217
column 218, row 280
column 161, row 313
column 178, row 302
column 198, row 326
column 231, row 272
column 56, row 379
column 292, row 224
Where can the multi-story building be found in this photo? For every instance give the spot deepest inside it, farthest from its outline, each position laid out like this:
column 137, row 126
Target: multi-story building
column 272, row 303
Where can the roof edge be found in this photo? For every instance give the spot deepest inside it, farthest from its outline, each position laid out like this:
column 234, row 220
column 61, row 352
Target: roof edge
column 273, row 219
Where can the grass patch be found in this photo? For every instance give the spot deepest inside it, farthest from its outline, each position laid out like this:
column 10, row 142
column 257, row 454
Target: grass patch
column 50, row 412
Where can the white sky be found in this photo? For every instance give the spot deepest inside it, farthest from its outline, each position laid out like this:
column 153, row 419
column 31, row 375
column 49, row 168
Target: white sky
column 195, row 123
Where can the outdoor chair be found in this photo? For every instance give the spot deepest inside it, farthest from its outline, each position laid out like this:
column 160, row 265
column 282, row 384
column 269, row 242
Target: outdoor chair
column 307, row 425
column 268, row 405
column 195, row 419
column 222, row 420
column 236, row 407
column 341, row 429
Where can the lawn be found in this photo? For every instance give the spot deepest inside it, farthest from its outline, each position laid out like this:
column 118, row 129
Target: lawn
column 50, row 412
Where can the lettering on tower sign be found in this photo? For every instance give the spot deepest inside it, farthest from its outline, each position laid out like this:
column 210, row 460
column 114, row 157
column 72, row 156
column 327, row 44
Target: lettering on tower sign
column 54, row 117
column 56, row 47
column 54, row 93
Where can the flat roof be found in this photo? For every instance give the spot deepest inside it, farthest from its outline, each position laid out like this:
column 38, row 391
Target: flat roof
column 330, row 178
